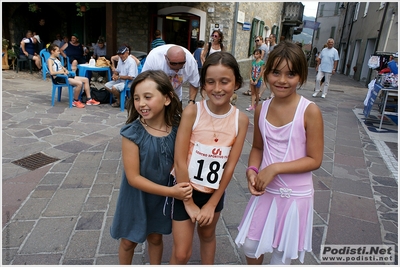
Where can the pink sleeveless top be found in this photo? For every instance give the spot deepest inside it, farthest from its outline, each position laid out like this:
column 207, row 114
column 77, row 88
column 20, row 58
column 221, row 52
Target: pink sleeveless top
column 281, row 218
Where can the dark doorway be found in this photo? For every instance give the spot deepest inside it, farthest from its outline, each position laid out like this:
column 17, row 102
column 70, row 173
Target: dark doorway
column 176, row 30
column 181, row 29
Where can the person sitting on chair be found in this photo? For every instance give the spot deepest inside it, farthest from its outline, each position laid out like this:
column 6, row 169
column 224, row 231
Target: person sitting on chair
column 27, row 50
column 100, row 50
column 115, row 58
column 75, row 51
column 126, row 70
column 55, row 67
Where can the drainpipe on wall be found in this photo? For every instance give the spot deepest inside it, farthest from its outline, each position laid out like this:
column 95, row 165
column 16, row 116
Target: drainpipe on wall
column 341, row 46
column 233, row 39
column 348, row 39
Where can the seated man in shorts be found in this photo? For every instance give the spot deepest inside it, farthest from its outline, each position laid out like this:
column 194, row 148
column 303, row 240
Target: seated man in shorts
column 126, row 70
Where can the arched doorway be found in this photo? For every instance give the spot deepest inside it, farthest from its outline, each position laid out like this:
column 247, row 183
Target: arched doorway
column 181, row 25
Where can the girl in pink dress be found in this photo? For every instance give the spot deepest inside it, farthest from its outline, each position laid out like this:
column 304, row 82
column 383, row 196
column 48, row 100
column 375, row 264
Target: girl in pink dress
column 288, row 144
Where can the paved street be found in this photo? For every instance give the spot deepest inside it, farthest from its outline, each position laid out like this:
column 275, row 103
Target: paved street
column 60, row 214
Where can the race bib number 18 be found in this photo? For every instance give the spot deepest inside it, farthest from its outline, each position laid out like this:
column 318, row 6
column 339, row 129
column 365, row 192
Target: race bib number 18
column 207, row 164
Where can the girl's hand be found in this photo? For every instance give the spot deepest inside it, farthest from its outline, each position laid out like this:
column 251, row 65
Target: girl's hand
column 182, row 191
column 206, row 215
column 251, row 183
column 191, row 209
column 265, row 176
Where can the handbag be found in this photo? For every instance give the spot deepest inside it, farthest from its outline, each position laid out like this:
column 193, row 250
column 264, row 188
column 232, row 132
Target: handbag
column 103, row 62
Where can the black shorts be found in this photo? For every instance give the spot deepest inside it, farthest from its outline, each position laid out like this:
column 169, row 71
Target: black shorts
column 59, row 80
column 200, row 199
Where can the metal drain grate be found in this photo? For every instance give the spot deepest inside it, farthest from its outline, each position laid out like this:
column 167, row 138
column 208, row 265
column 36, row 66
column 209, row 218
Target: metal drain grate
column 34, row 161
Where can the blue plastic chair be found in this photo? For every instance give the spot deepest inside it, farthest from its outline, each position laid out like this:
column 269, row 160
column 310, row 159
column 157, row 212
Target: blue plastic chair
column 44, row 55
column 123, row 95
column 57, row 88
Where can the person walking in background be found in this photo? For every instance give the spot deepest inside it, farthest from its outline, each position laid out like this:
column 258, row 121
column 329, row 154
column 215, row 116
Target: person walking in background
column 55, row 67
column 272, row 44
column 288, row 144
column 207, row 125
column 157, row 41
column 197, row 54
column 216, row 45
column 264, row 55
column 256, row 72
column 143, row 210
column 271, row 39
column 263, row 47
column 318, row 61
column 326, row 67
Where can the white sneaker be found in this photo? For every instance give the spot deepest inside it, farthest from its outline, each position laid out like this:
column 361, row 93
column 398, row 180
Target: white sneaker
column 323, row 95
column 315, row 94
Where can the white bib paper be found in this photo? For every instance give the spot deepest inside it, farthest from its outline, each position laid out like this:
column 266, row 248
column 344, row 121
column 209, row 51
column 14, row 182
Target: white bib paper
column 207, row 164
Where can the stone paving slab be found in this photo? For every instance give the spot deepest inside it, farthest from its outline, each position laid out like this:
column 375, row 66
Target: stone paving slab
column 66, row 212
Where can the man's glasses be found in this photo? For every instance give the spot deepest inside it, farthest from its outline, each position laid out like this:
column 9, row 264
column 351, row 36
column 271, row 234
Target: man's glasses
column 216, row 36
column 257, row 40
column 175, row 63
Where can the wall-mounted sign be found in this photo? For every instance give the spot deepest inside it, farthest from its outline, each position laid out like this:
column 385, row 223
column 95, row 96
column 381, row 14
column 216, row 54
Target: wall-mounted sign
column 246, row 26
column 240, row 18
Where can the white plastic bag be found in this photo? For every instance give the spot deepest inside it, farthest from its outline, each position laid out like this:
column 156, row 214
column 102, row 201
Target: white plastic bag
column 373, row 62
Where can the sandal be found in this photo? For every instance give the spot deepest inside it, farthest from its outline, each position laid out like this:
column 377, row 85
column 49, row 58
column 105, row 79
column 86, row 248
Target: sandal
column 115, row 105
column 248, row 92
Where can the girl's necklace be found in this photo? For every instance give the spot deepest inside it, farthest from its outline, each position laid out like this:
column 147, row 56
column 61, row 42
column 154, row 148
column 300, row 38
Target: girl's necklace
column 160, row 130
column 215, row 135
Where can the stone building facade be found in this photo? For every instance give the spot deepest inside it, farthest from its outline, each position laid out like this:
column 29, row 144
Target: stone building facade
column 135, row 22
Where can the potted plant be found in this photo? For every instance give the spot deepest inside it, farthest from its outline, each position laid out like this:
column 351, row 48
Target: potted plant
column 81, row 8
column 11, row 53
column 5, row 44
column 33, row 7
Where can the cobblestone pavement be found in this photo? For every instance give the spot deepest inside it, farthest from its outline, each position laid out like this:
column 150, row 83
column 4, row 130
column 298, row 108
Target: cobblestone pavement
column 61, row 213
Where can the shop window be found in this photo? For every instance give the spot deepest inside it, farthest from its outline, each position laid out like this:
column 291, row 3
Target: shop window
column 321, row 10
column 332, row 35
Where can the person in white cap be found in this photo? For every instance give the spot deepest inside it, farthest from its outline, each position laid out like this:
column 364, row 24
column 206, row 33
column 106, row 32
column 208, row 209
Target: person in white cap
column 126, row 70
